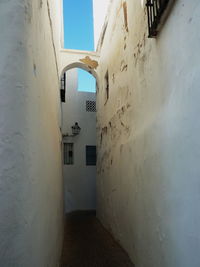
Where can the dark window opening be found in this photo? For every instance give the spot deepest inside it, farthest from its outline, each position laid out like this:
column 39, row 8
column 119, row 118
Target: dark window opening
column 107, row 85
column 63, row 87
column 90, row 155
column 68, row 153
column 155, row 11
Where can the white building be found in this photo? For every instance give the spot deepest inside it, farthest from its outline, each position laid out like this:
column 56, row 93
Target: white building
column 148, row 186
column 79, row 150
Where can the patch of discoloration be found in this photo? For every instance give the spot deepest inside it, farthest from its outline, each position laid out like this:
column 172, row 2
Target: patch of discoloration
column 139, row 50
column 93, row 64
column 103, row 34
column 125, row 42
column 34, row 69
column 40, row 3
column 104, row 132
column 126, row 127
column 113, row 78
column 125, row 16
column 101, row 138
column 116, row 127
column 190, row 20
column 111, row 161
column 28, row 12
column 128, row 105
column 123, row 66
column 105, row 162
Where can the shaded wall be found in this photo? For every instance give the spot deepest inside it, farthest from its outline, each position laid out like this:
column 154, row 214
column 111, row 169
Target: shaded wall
column 148, row 170
column 31, row 210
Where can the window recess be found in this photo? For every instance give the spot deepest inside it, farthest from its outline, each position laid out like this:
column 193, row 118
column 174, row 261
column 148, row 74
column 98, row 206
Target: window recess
column 63, row 87
column 155, row 12
column 68, row 153
column 90, row 155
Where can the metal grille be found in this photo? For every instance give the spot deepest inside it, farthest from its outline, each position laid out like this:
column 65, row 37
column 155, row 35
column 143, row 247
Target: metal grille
column 91, row 155
column 68, row 153
column 155, row 10
column 91, row 106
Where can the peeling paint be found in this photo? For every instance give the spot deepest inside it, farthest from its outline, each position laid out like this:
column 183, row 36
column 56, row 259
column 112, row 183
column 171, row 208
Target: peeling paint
column 34, row 69
column 105, row 130
column 93, row 64
column 103, row 35
column 28, row 12
column 125, row 16
column 40, row 3
column 123, row 66
column 113, row 78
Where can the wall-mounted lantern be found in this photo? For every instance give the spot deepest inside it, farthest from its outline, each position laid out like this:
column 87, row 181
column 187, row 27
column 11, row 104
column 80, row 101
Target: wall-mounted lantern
column 75, row 130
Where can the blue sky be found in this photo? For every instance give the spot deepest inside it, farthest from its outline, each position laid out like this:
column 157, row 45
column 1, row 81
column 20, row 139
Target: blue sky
column 78, row 34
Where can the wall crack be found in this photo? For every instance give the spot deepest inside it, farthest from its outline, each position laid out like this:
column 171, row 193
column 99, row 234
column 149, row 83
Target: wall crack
column 52, row 37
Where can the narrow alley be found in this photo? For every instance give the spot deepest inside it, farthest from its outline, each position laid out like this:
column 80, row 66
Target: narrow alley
column 104, row 119
column 88, row 244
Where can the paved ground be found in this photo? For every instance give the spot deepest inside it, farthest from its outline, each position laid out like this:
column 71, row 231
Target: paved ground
column 88, row 244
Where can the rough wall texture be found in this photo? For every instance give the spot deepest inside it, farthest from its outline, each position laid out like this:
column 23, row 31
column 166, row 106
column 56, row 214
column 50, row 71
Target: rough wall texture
column 30, row 141
column 148, row 170
column 79, row 179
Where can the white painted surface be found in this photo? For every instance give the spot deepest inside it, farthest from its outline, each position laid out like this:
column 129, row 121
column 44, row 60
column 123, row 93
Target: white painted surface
column 79, row 179
column 148, row 186
column 100, row 9
column 31, row 210
column 72, row 59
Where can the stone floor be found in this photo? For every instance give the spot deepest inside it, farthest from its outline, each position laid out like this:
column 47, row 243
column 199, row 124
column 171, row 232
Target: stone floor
column 88, row 244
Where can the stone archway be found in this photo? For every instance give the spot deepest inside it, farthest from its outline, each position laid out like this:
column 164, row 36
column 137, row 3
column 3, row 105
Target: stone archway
column 85, row 60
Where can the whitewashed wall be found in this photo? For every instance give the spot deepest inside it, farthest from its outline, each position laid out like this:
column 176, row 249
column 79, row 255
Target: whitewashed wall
column 79, row 179
column 148, row 186
column 100, row 9
column 31, row 210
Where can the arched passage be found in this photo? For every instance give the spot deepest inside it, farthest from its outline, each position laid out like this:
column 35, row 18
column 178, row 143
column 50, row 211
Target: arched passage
column 79, row 150
column 81, row 66
column 85, row 60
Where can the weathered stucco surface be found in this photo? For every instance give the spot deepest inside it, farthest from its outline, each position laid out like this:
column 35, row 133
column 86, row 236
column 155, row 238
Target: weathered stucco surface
column 148, row 170
column 31, row 210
